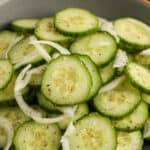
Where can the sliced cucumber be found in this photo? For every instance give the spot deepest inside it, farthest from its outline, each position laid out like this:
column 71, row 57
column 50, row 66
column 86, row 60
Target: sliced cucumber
column 15, row 116
column 93, row 132
column 24, row 53
column 100, row 47
column 134, row 34
column 146, row 98
column 6, row 40
column 135, row 120
column 76, row 21
column 6, row 72
column 143, row 59
column 24, row 25
column 7, row 94
column 66, row 81
column 107, row 73
column 27, row 136
column 129, row 140
column 146, row 132
column 45, row 103
column 81, row 111
column 131, row 57
column 45, row 30
column 118, row 102
column 96, row 80
column 139, row 76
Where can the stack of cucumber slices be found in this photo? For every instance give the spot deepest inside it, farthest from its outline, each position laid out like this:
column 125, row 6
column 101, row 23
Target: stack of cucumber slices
column 74, row 81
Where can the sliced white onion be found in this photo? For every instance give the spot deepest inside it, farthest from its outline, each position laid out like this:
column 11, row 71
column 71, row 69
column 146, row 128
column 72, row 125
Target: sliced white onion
column 107, row 26
column 22, row 81
column 37, row 70
column 69, row 111
column 64, row 140
column 35, row 115
column 61, row 49
column 40, row 49
column 102, row 21
column 49, row 120
column 12, row 44
column 111, row 85
column 145, row 52
column 121, row 59
column 7, row 126
column 26, row 59
column 55, row 55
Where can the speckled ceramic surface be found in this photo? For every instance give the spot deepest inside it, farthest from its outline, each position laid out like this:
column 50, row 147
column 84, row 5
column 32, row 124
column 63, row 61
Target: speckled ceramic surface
column 11, row 9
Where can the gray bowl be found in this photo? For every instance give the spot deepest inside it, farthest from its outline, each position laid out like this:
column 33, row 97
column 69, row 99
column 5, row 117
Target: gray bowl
column 110, row 9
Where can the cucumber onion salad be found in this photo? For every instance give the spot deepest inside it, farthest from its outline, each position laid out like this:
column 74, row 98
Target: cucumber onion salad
column 74, row 81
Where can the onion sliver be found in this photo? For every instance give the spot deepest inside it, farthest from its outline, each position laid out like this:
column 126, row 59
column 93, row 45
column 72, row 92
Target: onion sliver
column 61, row 49
column 21, row 82
column 111, row 85
column 40, row 49
column 64, row 139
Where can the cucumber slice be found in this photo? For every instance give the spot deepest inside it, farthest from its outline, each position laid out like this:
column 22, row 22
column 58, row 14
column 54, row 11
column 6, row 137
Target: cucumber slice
column 107, row 73
column 6, row 40
column 45, row 30
column 81, row 111
column 139, row 76
column 146, row 98
column 66, row 81
column 76, row 21
column 45, row 103
column 96, row 80
column 6, row 72
column 93, row 132
column 24, row 53
column 7, row 94
column 15, row 116
column 129, row 140
column 24, row 25
column 143, row 59
column 27, row 136
column 134, row 34
column 100, row 47
column 118, row 102
column 135, row 120
column 146, row 132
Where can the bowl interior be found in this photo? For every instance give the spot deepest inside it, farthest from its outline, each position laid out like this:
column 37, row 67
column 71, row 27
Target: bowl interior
column 110, row 9
column 12, row 9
